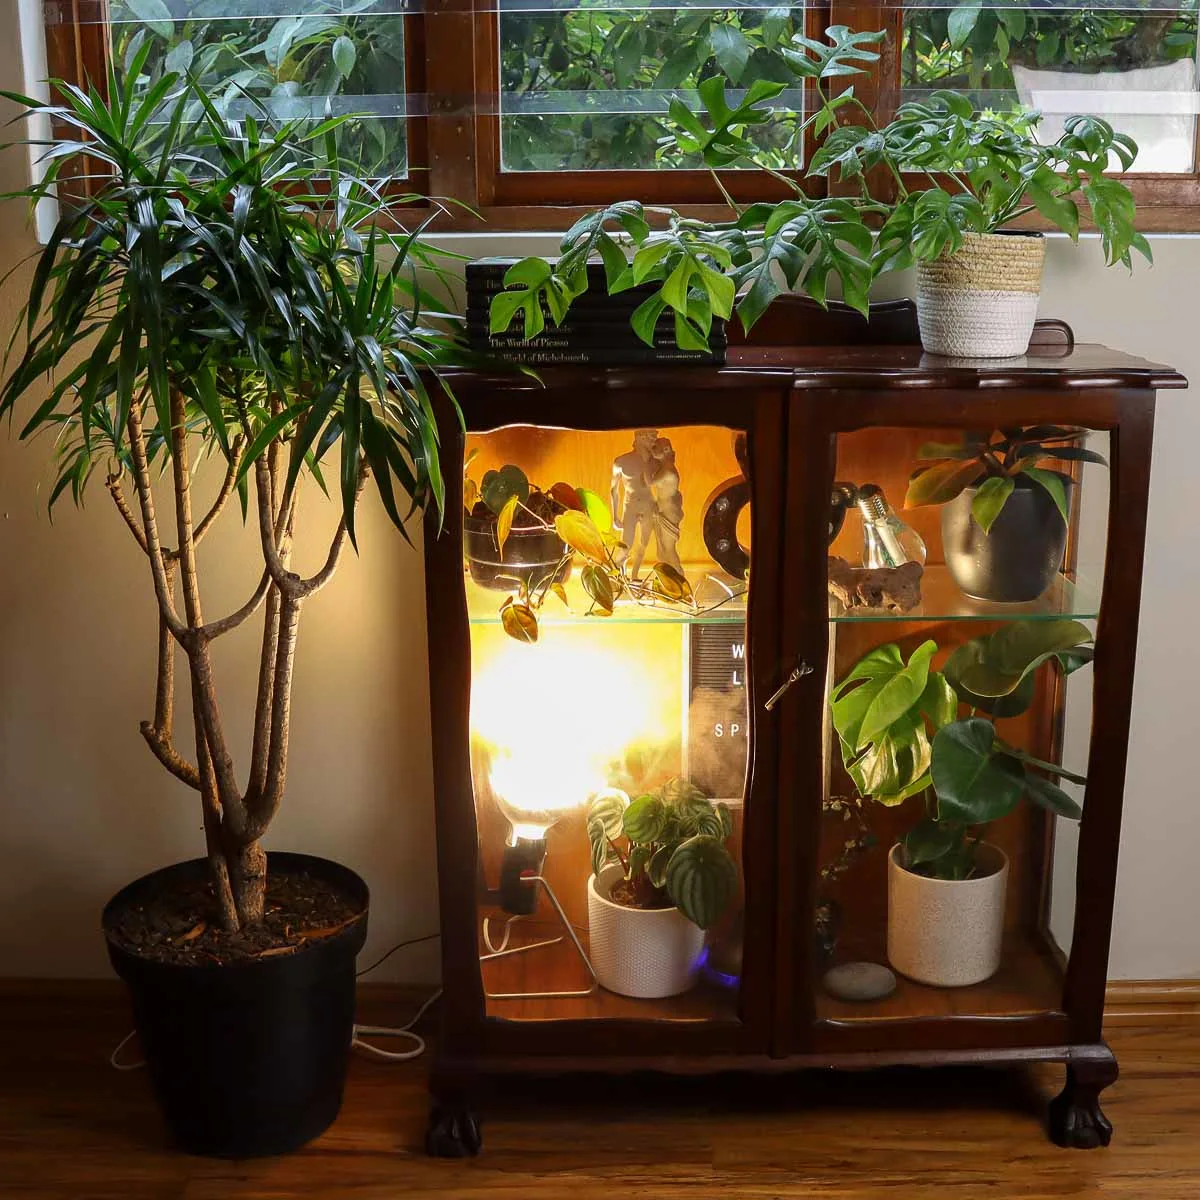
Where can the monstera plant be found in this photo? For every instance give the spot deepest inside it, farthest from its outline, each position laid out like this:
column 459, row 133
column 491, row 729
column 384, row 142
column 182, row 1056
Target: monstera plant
column 949, row 171
column 900, row 735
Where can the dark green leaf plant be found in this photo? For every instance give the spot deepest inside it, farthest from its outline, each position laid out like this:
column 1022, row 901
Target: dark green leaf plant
column 901, row 735
column 995, row 464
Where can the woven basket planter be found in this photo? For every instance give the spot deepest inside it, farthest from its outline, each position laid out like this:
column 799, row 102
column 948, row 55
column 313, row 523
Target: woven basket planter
column 982, row 301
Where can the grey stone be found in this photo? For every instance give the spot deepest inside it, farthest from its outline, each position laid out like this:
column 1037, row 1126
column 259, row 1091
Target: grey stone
column 859, row 981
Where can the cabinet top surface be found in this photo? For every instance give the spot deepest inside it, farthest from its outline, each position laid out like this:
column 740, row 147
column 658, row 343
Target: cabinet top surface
column 875, row 367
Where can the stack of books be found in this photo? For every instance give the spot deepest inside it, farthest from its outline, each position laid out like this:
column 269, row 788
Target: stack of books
column 596, row 329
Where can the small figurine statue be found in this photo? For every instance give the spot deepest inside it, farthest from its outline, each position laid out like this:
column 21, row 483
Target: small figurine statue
column 668, row 502
column 635, row 512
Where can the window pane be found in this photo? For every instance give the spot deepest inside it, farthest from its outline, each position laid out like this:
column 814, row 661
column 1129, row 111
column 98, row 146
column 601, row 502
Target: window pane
column 587, row 88
column 289, row 58
column 1133, row 65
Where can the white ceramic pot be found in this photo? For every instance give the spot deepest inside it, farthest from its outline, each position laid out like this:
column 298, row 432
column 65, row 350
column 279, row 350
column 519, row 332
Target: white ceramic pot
column 947, row 932
column 981, row 301
column 647, row 953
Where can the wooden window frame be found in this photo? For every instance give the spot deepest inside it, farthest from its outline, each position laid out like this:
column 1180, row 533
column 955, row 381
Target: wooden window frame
column 452, row 59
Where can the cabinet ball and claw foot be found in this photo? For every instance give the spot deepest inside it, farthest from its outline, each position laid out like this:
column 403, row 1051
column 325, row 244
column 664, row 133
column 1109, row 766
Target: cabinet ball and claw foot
column 620, row 712
column 453, row 1131
column 1076, row 1119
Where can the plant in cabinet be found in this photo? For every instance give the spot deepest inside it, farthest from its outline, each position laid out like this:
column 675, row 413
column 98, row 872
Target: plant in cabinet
column 190, row 309
column 526, row 540
column 509, row 535
column 1005, row 505
column 661, row 876
column 900, row 736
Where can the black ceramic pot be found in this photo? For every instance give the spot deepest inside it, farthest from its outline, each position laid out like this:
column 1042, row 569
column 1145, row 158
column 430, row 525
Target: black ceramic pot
column 249, row 1058
column 1018, row 558
column 530, row 555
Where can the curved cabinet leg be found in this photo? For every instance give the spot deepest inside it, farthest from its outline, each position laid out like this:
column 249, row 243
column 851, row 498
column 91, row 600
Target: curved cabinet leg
column 1076, row 1118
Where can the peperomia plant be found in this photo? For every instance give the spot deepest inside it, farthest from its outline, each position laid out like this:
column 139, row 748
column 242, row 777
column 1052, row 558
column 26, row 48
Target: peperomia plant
column 974, row 173
column 900, row 735
column 994, row 464
column 670, row 844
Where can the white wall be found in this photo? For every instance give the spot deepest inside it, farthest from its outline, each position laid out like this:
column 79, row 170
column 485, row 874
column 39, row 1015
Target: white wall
column 84, row 808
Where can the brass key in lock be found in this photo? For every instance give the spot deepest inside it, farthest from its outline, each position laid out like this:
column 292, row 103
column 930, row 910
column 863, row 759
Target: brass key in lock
column 798, row 673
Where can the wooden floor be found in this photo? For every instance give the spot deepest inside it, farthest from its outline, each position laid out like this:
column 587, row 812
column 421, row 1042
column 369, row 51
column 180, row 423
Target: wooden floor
column 71, row 1128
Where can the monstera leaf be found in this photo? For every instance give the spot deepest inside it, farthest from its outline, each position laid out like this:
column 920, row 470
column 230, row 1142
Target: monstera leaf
column 995, row 673
column 701, row 879
column 883, row 711
column 979, row 778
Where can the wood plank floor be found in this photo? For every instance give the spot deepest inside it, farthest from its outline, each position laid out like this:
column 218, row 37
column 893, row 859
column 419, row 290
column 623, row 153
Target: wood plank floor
column 71, row 1128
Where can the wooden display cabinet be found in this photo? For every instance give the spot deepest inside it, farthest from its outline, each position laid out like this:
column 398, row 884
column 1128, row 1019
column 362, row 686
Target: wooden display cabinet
column 653, row 692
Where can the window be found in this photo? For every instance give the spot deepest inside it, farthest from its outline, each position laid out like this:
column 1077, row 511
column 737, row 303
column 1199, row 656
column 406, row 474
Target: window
column 516, row 105
column 588, row 88
column 1134, row 66
column 286, row 58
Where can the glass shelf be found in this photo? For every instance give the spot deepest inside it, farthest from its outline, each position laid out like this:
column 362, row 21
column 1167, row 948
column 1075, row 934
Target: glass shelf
column 943, row 600
column 719, row 599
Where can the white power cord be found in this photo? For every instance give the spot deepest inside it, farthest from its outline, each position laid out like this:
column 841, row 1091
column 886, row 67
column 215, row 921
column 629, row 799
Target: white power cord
column 113, row 1058
column 404, row 1031
column 356, row 1042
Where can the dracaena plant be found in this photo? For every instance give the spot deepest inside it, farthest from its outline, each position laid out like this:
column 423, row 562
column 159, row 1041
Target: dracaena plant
column 995, row 464
column 670, row 844
column 193, row 309
column 900, row 735
column 975, row 172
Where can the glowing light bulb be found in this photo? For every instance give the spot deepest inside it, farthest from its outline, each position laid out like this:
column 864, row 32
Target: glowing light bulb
column 557, row 717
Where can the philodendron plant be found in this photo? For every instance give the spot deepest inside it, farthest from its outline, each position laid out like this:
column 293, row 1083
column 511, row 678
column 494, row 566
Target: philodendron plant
column 900, row 735
column 948, row 169
column 670, row 844
column 993, row 463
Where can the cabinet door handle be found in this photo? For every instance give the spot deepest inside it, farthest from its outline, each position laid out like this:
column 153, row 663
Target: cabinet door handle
column 798, row 673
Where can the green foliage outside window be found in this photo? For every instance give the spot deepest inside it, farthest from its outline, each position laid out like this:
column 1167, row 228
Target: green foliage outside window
column 622, row 58
column 351, row 49
column 970, row 47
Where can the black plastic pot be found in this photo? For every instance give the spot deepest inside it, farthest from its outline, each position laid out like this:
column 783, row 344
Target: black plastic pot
column 249, row 1058
column 1018, row 558
column 530, row 555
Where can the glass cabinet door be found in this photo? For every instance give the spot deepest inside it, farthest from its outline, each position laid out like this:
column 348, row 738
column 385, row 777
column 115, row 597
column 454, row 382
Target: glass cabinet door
column 606, row 577
column 964, row 578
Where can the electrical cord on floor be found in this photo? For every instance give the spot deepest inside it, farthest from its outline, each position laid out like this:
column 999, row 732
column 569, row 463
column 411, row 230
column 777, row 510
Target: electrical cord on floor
column 114, row 1057
column 385, row 1031
column 404, row 1031
column 356, row 1042
column 429, row 937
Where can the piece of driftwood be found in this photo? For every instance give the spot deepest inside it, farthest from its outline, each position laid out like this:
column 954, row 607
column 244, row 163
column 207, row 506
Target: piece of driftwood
column 897, row 589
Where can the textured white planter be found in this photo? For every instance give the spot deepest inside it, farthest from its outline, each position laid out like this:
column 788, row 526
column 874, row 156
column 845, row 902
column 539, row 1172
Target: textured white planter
column 645, row 953
column 982, row 301
column 947, row 932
